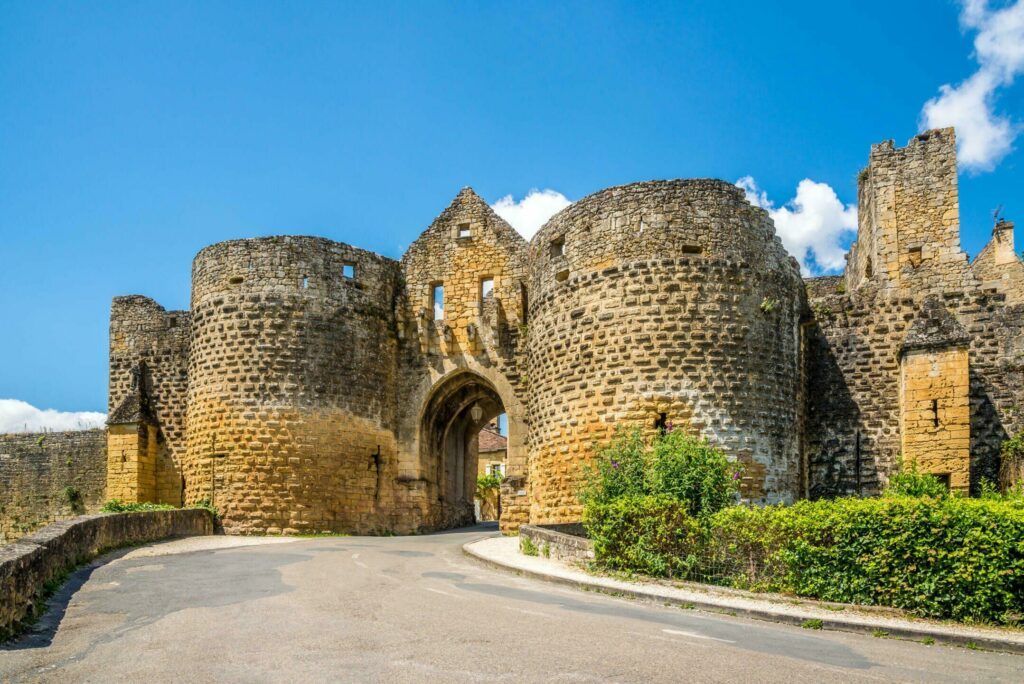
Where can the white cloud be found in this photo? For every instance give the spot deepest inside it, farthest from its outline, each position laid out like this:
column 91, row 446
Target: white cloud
column 813, row 225
column 531, row 212
column 20, row 416
column 984, row 136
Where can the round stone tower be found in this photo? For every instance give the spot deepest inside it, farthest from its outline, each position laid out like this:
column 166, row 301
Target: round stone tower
column 671, row 305
column 288, row 429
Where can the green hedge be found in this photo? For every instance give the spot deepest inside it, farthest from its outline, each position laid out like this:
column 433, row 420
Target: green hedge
column 652, row 534
column 943, row 557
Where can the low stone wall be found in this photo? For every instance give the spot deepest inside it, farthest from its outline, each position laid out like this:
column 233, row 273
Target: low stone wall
column 49, row 476
column 567, row 542
column 32, row 563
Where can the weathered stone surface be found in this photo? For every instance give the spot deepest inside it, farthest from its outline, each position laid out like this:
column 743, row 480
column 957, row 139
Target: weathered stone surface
column 46, row 477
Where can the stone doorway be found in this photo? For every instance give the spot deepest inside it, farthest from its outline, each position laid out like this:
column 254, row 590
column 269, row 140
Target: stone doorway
column 452, row 419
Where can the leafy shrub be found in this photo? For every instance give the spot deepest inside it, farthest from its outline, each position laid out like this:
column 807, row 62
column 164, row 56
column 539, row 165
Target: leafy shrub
column 674, row 464
column 652, row 534
column 207, row 506
column 118, row 506
column 485, row 484
column 73, row 498
column 618, row 469
column 911, row 482
column 693, row 471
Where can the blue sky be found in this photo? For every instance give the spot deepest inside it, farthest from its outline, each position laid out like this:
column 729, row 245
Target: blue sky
column 134, row 134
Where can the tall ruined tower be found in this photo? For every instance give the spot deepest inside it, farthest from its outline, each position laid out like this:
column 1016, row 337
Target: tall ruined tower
column 908, row 235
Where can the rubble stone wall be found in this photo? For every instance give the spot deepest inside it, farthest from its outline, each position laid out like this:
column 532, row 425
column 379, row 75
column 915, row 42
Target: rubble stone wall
column 49, row 476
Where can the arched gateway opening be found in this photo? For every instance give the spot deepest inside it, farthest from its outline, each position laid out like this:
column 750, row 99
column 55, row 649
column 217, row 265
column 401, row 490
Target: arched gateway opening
column 452, row 419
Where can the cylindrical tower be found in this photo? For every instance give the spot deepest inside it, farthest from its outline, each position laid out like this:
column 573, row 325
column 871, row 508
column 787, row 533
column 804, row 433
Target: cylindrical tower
column 289, row 424
column 662, row 303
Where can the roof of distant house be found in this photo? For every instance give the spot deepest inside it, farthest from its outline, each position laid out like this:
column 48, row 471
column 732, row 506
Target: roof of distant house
column 491, row 440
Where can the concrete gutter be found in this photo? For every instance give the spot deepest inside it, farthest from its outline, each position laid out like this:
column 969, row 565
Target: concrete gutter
column 503, row 553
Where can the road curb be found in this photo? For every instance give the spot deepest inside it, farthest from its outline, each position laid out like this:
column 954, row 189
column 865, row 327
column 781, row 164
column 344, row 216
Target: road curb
column 933, row 632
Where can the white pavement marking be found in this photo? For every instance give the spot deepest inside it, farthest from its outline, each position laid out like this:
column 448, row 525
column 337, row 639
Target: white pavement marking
column 444, row 593
column 524, row 611
column 693, row 635
column 655, row 637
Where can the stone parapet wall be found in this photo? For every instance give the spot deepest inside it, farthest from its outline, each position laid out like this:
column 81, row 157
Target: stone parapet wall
column 561, row 542
column 45, row 477
column 30, row 564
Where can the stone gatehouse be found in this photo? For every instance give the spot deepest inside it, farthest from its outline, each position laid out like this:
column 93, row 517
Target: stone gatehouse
column 316, row 386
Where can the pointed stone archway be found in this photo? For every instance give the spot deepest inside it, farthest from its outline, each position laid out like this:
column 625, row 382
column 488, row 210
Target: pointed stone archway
column 452, row 418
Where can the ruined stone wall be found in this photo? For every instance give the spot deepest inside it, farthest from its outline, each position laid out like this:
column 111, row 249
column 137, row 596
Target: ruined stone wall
column 142, row 331
column 482, row 336
column 291, row 369
column 665, row 299
column 45, row 477
column 853, row 436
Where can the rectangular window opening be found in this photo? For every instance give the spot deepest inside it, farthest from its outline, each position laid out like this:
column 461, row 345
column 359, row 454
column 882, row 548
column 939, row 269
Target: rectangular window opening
column 465, row 231
column 348, row 271
column 915, row 256
column 558, row 247
column 486, row 289
column 944, row 479
column 524, row 301
column 692, row 249
column 437, row 297
column 935, row 413
column 305, row 282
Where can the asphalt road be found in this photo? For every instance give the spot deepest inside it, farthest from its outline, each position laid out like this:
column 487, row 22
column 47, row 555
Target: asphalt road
column 402, row 609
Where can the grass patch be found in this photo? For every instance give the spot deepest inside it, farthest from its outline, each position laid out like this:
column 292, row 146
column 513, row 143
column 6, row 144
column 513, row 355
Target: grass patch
column 813, row 623
column 527, row 546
